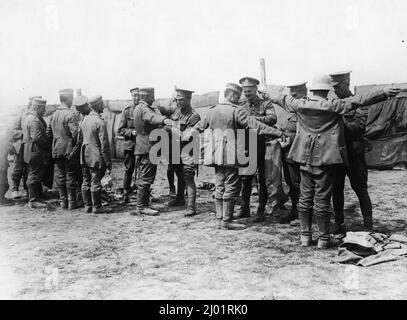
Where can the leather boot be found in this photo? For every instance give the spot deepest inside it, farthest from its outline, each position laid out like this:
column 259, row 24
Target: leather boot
column 368, row 223
column 245, row 206
column 87, row 200
column 142, row 203
column 219, row 208
column 260, row 215
column 72, row 199
column 305, row 228
column 34, row 201
column 97, row 203
column 191, row 206
column 63, row 197
column 227, row 224
column 172, row 192
column 219, row 211
column 324, row 239
column 79, row 199
column 291, row 216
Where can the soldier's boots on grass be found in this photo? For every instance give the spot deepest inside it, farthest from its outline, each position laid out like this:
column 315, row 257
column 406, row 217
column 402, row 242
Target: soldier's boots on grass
column 142, row 203
column 227, row 213
column 87, row 200
column 34, row 198
column 244, row 211
column 219, row 211
column 79, row 199
column 97, row 203
column 172, row 192
column 260, row 215
column 324, row 238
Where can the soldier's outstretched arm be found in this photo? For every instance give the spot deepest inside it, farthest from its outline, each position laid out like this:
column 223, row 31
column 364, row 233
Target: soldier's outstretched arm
column 285, row 101
column 247, row 121
column 342, row 106
column 123, row 130
column 151, row 117
column 105, row 146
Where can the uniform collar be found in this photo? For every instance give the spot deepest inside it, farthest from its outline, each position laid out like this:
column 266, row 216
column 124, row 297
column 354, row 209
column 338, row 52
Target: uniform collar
column 63, row 106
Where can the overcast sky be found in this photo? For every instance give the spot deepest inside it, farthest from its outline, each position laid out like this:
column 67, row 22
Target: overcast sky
column 107, row 47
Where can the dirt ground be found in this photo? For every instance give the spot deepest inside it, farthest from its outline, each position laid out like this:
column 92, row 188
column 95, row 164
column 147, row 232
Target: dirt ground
column 55, row 254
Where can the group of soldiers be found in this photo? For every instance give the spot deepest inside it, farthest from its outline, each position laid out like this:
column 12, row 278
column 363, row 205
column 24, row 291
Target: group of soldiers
column 321, row 144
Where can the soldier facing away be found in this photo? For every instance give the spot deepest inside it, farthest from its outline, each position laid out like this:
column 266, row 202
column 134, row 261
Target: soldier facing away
column 63, row 131
column 221, row 119
column 319, row 148
column 94, row 156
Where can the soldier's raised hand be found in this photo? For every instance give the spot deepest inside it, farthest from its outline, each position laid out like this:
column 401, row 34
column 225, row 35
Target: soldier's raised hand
column 391, row 92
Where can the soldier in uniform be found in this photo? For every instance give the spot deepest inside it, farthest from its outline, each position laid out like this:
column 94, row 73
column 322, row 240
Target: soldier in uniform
column 221, row 119
column 319, row 147
column 355, row 125
column 82, row 109
column 94, row 156
column 20, row 168
column 263, row 111
column 145, row 120
column 126, row 129
column 63, row 131
column 291, row 168
column 36, row 150
column 185, row 170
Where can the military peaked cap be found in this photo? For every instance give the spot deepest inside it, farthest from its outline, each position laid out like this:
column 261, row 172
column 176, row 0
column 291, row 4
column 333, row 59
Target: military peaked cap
column 249, row 82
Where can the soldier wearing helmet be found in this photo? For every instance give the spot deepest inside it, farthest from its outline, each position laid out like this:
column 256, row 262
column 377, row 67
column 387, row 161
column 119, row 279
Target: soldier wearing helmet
column 319, row 147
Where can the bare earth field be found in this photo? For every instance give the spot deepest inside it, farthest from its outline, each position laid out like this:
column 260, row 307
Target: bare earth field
column 58, row 254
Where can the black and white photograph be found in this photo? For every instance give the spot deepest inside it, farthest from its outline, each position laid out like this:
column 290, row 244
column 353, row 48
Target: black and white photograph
column 203, row 151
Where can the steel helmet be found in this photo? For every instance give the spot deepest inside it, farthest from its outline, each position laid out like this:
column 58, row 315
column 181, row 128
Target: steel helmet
column 321, row 82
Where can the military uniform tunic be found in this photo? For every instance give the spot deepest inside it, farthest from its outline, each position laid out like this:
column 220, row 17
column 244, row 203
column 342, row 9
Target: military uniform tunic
column 145, row 121
column 36, row 149
column 222, row 148
column 319, row 146
column 263, row 111
column 63, row 130
column 95, row 151
column 126, row 128
column 355, row 125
